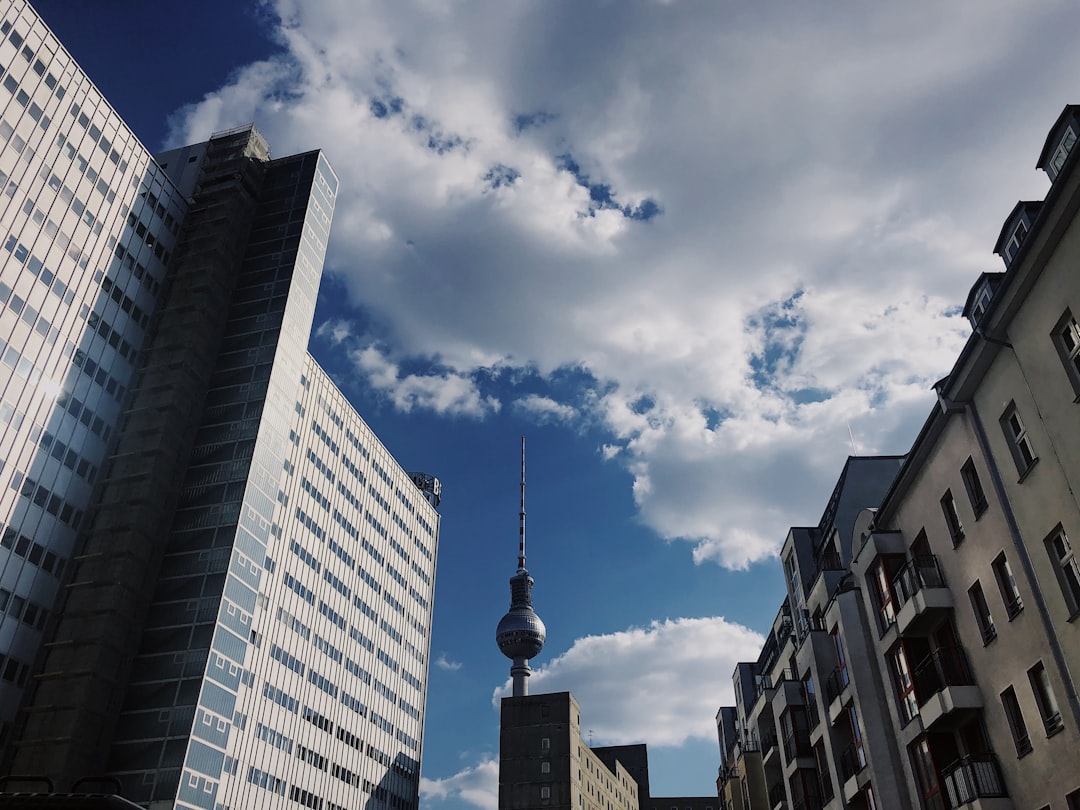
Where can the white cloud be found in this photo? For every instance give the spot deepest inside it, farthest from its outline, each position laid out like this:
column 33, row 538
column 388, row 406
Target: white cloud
column 447, row 393
column 659, row 684
column 546, row 409
column 830, row 183
column 442, row 662
column 477, row 785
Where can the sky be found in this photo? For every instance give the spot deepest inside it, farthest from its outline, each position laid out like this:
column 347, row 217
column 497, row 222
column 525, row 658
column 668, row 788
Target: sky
column 696, row 252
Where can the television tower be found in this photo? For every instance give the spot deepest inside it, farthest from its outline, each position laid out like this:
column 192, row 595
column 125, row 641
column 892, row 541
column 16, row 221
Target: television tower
column 521, row 634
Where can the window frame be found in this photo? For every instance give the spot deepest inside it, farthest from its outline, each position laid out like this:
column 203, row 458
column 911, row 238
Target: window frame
column 984, row 619
column 1043, row 690
column 1066, row 568
column 1066, row 340
column 1007, row 586
column 1015, row 716
column 952, row 518
column 973, row 486
column 1016, row 434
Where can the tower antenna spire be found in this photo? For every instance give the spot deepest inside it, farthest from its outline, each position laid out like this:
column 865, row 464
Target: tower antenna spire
column 521, row 514
column 521, row 634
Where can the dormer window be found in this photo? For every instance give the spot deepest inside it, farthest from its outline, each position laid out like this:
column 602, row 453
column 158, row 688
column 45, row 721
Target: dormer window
column 1014, row 242
column 981, row 303
column 978, row 300
column 1062, row 152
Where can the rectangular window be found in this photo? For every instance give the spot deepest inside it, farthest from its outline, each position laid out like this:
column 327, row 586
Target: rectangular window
column 1045, row 700
column 982, row 613
column 952, row 518
column 1066, row 569
column 1066, row 337
column 1016, row 722
column 1010, row 593
column 1019, row 443
column 976, row 494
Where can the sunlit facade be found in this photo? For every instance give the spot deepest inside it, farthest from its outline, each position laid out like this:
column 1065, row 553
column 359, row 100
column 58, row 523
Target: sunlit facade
column 217, row 582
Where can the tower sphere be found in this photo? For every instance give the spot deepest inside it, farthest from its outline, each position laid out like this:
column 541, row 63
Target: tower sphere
column 521, row 633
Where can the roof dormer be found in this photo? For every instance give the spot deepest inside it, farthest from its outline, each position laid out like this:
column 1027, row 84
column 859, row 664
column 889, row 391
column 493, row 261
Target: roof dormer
column 1016, row 228
column 978, row 299
column 1060, row 141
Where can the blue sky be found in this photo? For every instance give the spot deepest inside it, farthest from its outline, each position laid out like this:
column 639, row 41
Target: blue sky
column 690, row 250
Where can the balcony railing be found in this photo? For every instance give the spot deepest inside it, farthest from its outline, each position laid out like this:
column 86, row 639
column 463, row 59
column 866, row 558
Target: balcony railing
column 807, row 803
column 917, row 573
column 796, row 744
column 973, row 778
column 825, row 781
column 830, row 562
column 945, row 667
column 813, row 716
column 835, row 684
column 777, row 796
column 852, row 760
column 768, row 742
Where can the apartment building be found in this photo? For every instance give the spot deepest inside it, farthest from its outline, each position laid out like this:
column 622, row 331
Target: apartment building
column 935, row 654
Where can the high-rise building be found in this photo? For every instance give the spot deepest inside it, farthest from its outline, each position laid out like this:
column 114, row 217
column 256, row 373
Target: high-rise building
column 217, row 582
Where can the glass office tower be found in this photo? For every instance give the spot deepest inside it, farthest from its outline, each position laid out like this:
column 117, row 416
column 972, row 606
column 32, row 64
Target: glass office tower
column 88, row 223
column 238, row 595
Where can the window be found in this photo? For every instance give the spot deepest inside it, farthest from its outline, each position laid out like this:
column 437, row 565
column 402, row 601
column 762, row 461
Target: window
column 1062, row 152
column 905, row 684
column 1072, row 800
column 545, row 743
column 1019, row 443
column 545, row 792
column 925, row 770
column 1010, row 593
column 1016, row 722
column 856, row 737
column 1066, row 568
column 952, row 518
column 1066, row 337
column 1017, row 239
column 1044, row 699
column 841, row 662
column 976, row 494
column 882, row 591
column 982, row 613
column 545, row 767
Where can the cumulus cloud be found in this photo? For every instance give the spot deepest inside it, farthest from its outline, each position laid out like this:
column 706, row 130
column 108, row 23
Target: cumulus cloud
column 447, row 393
column 546, row 409
column 749, row 231
column 477, row 785
column 442, row 662
column 659, row 684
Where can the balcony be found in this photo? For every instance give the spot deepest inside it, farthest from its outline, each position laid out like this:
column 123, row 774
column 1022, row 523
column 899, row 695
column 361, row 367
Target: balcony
column 921, row 595
column 769, row 748
column 813, row 714
column 797, row 745
column 976, row 781
column 777, row 796
column 835, row 686
column 853, row 771
column 946, row 691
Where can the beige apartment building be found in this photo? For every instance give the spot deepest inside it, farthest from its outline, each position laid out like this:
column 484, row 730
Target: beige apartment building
column 935, row 652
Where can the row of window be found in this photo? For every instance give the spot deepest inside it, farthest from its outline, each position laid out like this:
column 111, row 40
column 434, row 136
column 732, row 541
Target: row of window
column 1049, row 713
column 97, row 137
column 30, row 613
column 51, row 502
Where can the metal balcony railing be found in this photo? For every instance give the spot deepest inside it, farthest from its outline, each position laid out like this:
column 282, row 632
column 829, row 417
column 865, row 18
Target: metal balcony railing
column 825, row 781
column 944, row 667
column 796, row 744
column 917, row 573
column 835, row 684
column 852, row 760
column 777, row 796
column 813, row 715
column 973, row 778
column 768, row 742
